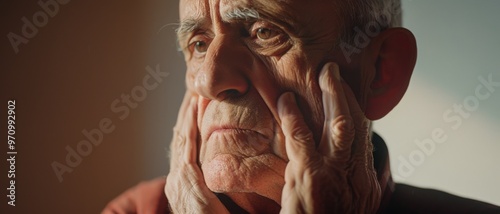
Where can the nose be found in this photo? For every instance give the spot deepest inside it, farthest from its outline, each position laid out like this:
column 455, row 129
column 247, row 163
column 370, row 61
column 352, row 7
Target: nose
column 222, row 74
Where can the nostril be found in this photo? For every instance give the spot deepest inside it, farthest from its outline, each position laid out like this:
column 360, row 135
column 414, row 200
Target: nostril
column 230, row 93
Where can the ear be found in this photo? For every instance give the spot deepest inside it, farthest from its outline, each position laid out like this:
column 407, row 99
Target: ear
column 389, row 61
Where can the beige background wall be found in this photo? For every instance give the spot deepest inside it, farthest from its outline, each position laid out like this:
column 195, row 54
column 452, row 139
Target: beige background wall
column 90, row 53
column 458, row 44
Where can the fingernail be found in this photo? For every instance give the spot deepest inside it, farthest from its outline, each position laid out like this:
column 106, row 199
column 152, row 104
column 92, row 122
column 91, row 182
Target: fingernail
column 329, row 67
column 323, row 80
column 335, row 69
column 291, row 98
column 287, row 99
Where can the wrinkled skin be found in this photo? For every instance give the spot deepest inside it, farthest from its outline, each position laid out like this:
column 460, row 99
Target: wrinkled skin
column 185, row 188
column 243, row 141
column 266, row 120
column 338, row 176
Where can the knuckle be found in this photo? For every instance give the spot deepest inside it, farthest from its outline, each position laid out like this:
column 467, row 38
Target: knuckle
column 301, row 134
column 362, row 131
column 343, row 128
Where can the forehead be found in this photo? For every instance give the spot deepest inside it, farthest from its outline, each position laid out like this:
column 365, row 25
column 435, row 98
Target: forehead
column 306, row 20
column 210, row 8
column 190, row 8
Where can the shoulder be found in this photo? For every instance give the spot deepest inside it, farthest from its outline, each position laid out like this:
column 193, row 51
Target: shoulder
column 410, row 199
column 402, row 198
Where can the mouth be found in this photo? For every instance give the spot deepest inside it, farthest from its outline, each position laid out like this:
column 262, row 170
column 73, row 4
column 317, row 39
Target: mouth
column 237, row 141
column 265, row 134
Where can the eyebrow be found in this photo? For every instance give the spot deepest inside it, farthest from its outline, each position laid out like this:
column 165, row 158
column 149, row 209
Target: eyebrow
column 188, row 26
column 246, row 14
column 191, row 25
column 277, row 13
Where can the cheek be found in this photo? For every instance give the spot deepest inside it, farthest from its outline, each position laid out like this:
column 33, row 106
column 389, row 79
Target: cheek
column 300, row 77
column 202, row 107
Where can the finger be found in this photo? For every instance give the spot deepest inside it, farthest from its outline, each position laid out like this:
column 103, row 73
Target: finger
column 178, row 135
column 363, row 146
column 182, row 111
column 190, row 132
column 338, row 129
column 178, row 124
column 299, row 140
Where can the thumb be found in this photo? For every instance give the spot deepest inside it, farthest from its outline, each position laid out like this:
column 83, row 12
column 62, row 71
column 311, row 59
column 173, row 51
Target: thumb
column 299, row 139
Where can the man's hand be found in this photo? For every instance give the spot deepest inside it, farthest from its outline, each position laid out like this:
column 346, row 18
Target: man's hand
column 145, row 197
column 186, row 189
column 337, row 176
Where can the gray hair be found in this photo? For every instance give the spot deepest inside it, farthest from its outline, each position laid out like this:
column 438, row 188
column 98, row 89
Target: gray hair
column 365, row 14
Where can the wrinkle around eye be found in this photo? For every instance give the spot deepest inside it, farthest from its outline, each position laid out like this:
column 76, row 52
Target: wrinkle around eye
column 275, row 46
column 197, row 46
column 268, row 38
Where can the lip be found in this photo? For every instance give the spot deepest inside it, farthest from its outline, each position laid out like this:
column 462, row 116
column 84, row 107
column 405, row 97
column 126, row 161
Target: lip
column 232, row 128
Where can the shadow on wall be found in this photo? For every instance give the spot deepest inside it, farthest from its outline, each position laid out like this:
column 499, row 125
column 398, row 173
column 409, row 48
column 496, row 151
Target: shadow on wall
column 83, row 78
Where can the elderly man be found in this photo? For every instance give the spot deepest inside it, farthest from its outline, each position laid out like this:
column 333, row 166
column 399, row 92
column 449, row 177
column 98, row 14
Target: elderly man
column 276, row 117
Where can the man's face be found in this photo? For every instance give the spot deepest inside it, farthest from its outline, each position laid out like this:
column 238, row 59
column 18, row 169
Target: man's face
column 241, row 55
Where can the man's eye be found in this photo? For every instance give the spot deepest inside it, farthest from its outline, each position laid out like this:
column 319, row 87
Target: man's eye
column 267, row 38
column 200, row 46
column 265, row 33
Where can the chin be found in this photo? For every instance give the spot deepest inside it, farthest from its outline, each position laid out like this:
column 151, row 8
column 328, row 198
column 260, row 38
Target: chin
column 260, row 174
